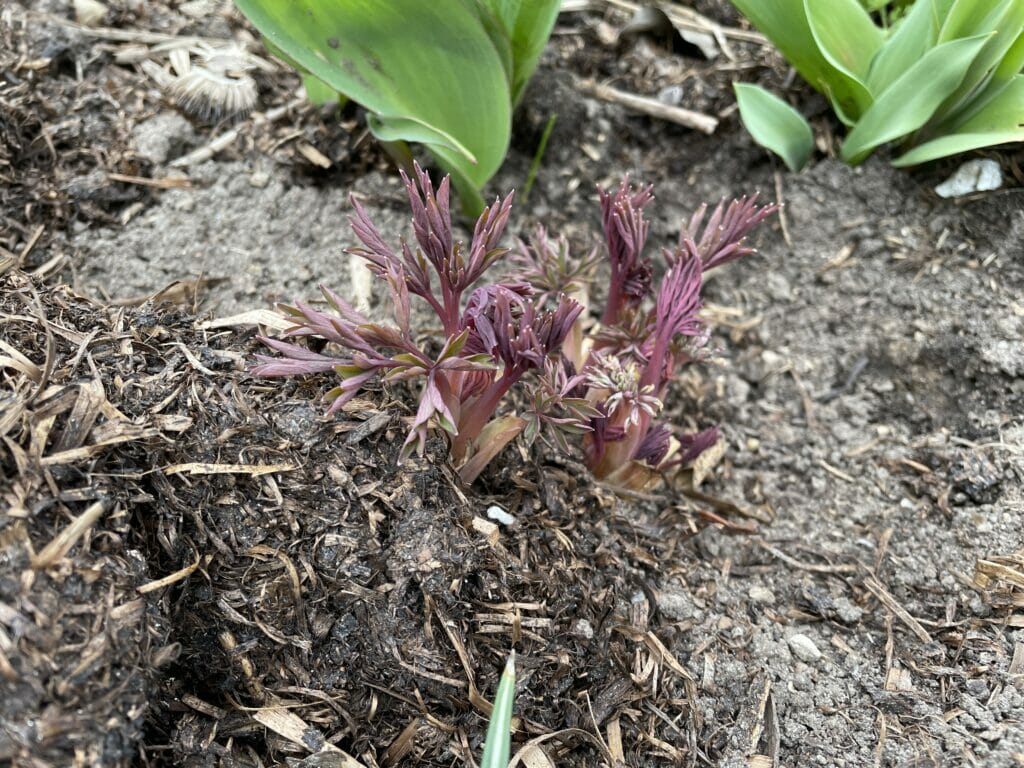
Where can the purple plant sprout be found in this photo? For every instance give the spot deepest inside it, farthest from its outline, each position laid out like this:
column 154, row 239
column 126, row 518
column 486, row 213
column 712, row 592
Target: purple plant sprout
column 606, row 386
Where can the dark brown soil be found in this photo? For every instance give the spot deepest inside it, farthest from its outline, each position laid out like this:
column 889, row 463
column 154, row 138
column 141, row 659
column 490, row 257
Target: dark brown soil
column 253, row 584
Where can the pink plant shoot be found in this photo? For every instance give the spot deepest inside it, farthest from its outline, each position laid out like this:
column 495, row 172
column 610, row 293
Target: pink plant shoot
column 603, row 381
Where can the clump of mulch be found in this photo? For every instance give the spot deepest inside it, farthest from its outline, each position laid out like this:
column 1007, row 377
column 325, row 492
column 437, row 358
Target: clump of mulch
column 80, row 645
column 200, row 569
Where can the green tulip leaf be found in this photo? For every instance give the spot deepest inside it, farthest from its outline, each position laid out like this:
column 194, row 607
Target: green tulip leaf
column 911, row 101
column 845, row 35
column 429, row 72
column 785, row 23
column 911, row 39
column 775, row 125
column 999, row 121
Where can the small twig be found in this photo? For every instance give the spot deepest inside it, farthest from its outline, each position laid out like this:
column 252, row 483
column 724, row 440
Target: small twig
column 30, row 245
column 876, row 588
column 226, row 139
column 67, row 538
column 811, row 567
column 837, row 472
column 782, row 210
column 846, row 386
column 805, row 399
column 687, row 17
column 684, row 117
column 143, row 181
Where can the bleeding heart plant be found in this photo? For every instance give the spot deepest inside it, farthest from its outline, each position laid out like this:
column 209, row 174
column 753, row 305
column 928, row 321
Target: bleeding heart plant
column 603, row 381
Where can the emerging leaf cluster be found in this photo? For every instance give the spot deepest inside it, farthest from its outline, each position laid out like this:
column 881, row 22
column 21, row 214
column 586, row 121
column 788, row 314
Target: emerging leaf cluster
column 946, row 77
column 444, row 73
column 600, row 382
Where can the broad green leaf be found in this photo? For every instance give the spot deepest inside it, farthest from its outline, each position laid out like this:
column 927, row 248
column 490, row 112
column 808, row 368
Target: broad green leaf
column 1000, row 121
column 500, row 37
column 1013, row 62
column 499, row 730
column 533, row 27
column 909, row 41
column 426, row 67
column 393, row 128
column 505, row 11
column 967, row 18
column 775, row 125
column 845, row 34
column 319, row 92
column 912, row 100
column 1003, row 24
column 785, row 23
column 526, row 26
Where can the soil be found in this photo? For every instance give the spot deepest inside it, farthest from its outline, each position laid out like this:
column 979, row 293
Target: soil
column 250, row 583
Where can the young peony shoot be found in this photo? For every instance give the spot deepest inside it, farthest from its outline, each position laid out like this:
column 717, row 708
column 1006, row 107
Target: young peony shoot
column 602, row 382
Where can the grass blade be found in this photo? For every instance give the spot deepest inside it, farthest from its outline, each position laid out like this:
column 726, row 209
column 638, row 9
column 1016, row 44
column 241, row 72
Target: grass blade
column 499, row 731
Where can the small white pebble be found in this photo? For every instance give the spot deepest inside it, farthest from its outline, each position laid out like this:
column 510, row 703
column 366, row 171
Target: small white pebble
column 804, row 648
column 973, row 176
column 497, row 513
column 761, row 595
column 583, row 628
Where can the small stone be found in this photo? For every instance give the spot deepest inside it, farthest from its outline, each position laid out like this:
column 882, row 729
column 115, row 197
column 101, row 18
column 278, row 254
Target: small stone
column 497, row 513
column 804, row 648
column 761, row 595
column 847, row 612
column 676, row 604
column 259, row 180
column 185, row 202
column 772, row 360
column 671, row 95
column 89, row 13
column 583, row 628
column 978, row 689
column 753, row 444
column 973, row 176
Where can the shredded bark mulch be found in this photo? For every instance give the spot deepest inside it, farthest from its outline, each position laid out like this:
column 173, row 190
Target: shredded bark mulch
column 198, row 561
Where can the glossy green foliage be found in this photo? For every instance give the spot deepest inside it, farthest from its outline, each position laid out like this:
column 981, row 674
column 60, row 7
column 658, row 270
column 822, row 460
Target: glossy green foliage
column 444, row 74
column 944, row 78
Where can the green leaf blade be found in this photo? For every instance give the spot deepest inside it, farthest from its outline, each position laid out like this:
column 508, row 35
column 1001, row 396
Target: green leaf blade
column 999, row 121
column 499, row 730
column 911, row 39
column 430, row 69
column 911, row 101
column 845, row 35
column 775, row 125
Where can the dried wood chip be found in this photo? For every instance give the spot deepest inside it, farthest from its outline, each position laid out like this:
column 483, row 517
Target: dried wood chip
column 988, row 570
column 126, row 433
column 886, row 599
column 1017, row 664
column 293, row 728
column 253, row 470
column 67, row 538
column 490, row 531
column 314, row 155
column 402, row 745
column 651, row 107
column 171, row 578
